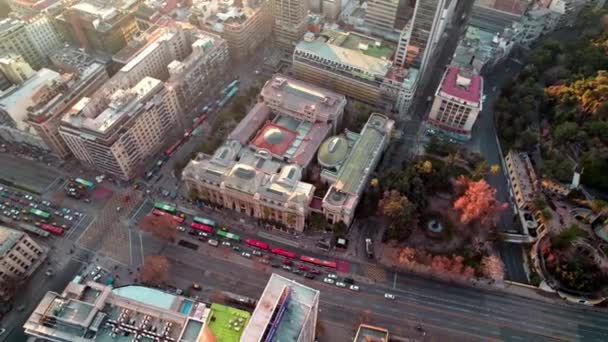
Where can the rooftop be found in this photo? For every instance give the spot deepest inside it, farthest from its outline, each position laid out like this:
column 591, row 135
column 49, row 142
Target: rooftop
column 227, row 324
column 355, row 169
column 462, row 86
column 8, row 239
column 524, row 174
column 99, row 115
column 510, row 6
column 18, row 99
column 363, row 53
column 301, row 97
column 298, row 301
column 368, row 333
column 250, row 123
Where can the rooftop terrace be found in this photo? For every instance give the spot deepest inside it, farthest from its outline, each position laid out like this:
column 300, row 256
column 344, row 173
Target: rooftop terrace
column 354, row 41
column 227, row 324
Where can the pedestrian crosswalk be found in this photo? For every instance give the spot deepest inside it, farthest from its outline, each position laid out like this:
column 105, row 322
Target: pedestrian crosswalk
column 374, row 272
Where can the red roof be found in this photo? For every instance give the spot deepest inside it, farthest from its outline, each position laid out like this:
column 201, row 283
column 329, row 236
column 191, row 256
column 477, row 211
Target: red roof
column 274, row 138
column 511, row 6
column 472, row 93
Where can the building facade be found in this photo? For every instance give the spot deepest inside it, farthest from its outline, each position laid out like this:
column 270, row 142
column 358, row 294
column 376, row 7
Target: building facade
column 89, row 311
column 244, row 29
column 287, row 309
column 82, row 76
column 424, row 32
column 457, row 103
column 355, row 65
column 20, row 256
column 381, row 14
column 31, row 7
column 33, row 40
column 524, row 188
column 289, row 22
column 102, row 26
column 15, row 69
column 116, row 131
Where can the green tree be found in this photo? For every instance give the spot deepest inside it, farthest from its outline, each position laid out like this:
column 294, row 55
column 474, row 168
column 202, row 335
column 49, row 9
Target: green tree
column 481, row 169
column 565, row 132
column 399, row 212
column 567, row 235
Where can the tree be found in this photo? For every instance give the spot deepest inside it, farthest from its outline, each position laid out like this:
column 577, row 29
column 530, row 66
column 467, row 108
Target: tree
column 481, row 169
column 479, row 203
column 193, row 194
column 425, row 167
column 162, row 227
column 598, row 205
column 399, row 211
column 155, row 269
column 546, row 214
column 493, row 267
column 567, row 235
column 317, row 221
column 494, row 169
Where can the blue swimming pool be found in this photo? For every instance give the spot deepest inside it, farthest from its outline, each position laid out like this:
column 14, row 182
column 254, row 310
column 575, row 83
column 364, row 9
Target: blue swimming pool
column 186, row 307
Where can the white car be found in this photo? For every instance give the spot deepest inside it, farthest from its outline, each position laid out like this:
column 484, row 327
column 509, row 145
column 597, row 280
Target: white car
column 226, row 243
column 328, row 280
column 96, row 270
column 389, row 296
column 332, row 276
column 97, row 277
column 246, row 255
column 255, row 252
column 181, row 228
column 340, row 284
column 354, row 287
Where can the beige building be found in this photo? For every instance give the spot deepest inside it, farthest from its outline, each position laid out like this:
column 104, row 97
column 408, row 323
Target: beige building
column 20, row 256
column 259, row 170
column 81, row 76
column 289, row 22
column 458, row 101
column 243, row 28
column 355, row 65
column 89, row 311
column 525, row 187
column 32, row 39
column 15, row 69
column 299, row 305
column 381, row 14
column 116, row 131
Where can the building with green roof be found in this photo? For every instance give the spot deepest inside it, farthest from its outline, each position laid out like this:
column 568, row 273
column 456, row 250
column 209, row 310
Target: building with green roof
column 228, row 323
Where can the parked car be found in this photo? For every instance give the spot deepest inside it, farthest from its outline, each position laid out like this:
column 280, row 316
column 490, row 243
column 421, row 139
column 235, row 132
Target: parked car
column 340, row 284
column 246, row 255
column 286, row 267
column 332, row 276
column 354, row 287
column 389, row 296
column 328, row 280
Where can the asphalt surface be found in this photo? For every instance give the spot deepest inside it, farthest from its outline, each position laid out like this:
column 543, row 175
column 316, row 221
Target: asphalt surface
column 37, row 176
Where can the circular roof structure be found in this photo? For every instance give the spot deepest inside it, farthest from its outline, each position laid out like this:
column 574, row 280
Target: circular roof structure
column 273, row 136
column 333, row 151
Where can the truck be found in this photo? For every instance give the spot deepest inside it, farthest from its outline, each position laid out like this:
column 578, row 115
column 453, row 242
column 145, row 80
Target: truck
column 369, row 248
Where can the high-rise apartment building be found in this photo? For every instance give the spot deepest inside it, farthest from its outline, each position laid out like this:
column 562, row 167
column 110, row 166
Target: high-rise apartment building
column 116, row 131
column 25, row 8
column 100, row 25
column 20, row 256
column 243, row 28
column 424, row 31
column 33, row 39
column 355, row 65
column 81, row 76
column 457, row 103
column 89, row 311
column 286, row 311
column 381, row 14
column 289, row 22
column 15, row 69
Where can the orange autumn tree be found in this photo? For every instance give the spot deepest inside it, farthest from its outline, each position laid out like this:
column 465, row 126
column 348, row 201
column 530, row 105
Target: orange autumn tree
column 162, row 227
column 155, row 269
column 478, row 202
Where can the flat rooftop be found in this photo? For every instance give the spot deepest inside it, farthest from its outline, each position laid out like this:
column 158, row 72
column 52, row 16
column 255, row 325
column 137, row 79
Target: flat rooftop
column 470, row 93
column 369, row 333
column 302, row 300
column 510, row 6
column 8, row 239
column 227, row 323
column 302, row 97
column 120, row 103
column 525, row 175
column 347, row 48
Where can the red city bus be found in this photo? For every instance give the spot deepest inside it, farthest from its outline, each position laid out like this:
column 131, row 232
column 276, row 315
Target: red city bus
column 157, row 212
column 175, row 218
column 52, row 229
column 174, row 147
column 199, row 120
column 257, row 244
column 284, row 253
column 202, row 227
column 318, row 262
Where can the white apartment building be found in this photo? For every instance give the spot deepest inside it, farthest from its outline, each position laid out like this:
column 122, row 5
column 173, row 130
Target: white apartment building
column 287, row 309
column 20, row 256
column 116, row 131
column 457, row 103
column 15, row 69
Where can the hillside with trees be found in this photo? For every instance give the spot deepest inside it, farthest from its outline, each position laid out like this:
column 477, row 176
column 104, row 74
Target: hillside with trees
column 557, row 107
